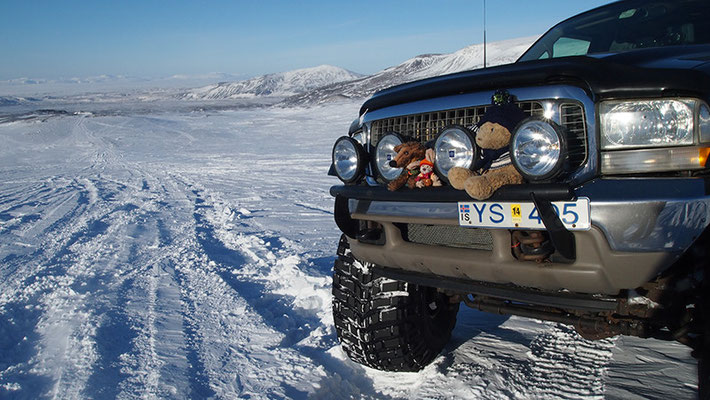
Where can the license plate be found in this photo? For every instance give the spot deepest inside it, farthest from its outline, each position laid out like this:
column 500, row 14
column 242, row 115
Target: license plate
column 511, row 215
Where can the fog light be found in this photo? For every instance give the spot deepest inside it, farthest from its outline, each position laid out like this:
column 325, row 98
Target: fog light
column 348, row 159
column 384, row 153
column 454, row 147
column 538, row 149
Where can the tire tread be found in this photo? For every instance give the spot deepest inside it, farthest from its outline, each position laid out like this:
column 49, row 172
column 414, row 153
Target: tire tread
column 379, row 320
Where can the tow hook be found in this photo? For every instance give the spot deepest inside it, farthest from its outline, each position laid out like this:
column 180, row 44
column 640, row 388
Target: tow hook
column 531, row 246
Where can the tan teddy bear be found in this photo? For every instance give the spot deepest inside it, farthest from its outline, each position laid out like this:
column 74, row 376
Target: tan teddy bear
column 494, row 169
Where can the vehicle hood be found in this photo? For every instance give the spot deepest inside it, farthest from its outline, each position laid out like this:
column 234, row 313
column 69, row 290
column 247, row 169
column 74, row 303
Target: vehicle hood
column 656, row 72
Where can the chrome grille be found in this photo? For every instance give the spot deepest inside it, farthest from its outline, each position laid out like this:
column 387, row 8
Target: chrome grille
column 572, row 118
column 425, row 126
column 450, row 236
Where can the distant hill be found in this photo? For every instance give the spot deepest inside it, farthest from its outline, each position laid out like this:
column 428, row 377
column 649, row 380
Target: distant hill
column 14, row 101
column 280, row 84
column 419, row 67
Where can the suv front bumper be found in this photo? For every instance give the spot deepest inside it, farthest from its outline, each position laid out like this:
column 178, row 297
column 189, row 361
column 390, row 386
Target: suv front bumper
column 640, row 226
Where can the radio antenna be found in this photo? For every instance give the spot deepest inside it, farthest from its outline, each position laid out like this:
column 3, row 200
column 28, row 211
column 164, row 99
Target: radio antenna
column 484, row 33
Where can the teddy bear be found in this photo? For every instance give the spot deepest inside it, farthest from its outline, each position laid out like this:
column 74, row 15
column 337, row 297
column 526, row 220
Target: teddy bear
column 494, row 168
column 410, row 156
column 426, row 176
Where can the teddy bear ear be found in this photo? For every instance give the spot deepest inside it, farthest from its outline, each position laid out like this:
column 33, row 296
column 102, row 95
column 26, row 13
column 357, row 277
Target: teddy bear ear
column 398, row 147
column 430, row 155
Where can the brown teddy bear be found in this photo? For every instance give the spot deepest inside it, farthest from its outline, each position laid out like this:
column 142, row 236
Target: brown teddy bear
column 410, row 156
column 494, row 169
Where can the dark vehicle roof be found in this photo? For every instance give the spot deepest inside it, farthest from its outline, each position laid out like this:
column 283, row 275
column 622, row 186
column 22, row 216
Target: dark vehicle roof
column 657, row 23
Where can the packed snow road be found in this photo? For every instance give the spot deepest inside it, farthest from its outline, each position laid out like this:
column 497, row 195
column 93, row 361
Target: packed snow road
column 188, row 255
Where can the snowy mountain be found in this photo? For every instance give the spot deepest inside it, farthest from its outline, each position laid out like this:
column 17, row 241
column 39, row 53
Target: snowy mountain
column 279, row 84
column 327, row 83
column 419, row 67
column 13, row 100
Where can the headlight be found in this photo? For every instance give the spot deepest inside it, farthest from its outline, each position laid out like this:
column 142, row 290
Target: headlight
column 454, row 147
column 384, row 153
column 704, row 123
column 348, row 159
column 648, row 123
column 538, row 149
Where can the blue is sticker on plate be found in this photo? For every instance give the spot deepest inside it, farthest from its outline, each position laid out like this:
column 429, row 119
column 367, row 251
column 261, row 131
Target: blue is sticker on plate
column 452, row 154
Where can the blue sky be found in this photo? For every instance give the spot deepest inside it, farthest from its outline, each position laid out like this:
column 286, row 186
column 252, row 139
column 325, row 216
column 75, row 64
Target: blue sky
column 53, row 39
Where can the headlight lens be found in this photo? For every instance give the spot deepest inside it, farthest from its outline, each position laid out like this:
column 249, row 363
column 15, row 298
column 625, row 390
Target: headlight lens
column 348, row 159
column 538, row 149
column 648, row 123
column 704, row 123
column 454, row 147
column 384, row 153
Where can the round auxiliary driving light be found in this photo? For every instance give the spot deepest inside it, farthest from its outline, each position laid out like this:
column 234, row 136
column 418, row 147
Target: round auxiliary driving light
column 455, row 146
column 538, row 149
column 348, row 159
column 384, row 153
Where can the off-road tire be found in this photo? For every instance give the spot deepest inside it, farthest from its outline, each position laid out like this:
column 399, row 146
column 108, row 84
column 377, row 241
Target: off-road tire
column 387, row 324
column 703, row 352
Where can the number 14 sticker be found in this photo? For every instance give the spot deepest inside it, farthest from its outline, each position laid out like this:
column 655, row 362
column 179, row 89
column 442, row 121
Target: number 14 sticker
column 516, row 213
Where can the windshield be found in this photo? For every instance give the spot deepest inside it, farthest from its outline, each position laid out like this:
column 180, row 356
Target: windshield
column 624, row 26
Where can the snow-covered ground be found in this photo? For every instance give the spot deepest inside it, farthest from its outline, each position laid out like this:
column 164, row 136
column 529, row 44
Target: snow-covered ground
column 188, row 253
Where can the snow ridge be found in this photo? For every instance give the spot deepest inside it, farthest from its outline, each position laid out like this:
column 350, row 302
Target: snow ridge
column 327, row 83
column 419, row 67
column 279, row 84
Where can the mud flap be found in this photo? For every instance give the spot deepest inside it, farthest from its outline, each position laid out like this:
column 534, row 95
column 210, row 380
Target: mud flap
column 345, row 223
column 562, row 239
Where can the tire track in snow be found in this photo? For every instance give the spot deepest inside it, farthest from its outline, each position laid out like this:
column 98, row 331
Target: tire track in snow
column 240, row 351
column 113, row 338
column 31, row 281
column 265, row 271
column 67, row 282
column 244, row 352
column 44, row 278
column 149, row 358
column 563, row 365
column 89, row 266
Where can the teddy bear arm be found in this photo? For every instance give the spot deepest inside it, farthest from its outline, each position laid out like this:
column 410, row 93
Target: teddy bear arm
column 507, row 175
column 483, row 187
column 458, row 177
column 486, row 184
column 479, row 187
